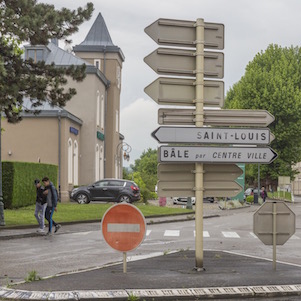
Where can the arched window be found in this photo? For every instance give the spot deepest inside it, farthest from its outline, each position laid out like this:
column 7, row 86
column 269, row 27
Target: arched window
column 70, row 162
column 97, row 162
column 75, row 163
column 98, row 109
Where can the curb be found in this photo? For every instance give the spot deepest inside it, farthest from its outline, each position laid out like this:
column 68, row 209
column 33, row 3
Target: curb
column 157, row 294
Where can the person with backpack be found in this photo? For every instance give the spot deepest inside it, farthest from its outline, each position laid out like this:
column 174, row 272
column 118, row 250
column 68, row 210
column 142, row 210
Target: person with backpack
column 52, row 198
column 40, row 206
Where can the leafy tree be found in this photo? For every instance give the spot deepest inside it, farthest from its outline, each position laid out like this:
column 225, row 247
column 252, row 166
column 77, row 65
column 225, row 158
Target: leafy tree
column 29, row 21
column 272, row 81
column 145, row 173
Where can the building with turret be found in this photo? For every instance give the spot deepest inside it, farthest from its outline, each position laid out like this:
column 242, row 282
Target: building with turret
column 83, row 138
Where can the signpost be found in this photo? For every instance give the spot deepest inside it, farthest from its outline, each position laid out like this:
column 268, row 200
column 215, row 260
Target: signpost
column 123, row 228
column 216, row 154
column 197, row 92
column 181, row 91
column 179, row 180
column 172, row 61
column 274, row 223
column 182, row 33
column 253, row 118
column 212, row 135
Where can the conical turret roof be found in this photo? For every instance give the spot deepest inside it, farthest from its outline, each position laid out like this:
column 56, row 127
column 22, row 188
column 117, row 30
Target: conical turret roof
column 98, row 39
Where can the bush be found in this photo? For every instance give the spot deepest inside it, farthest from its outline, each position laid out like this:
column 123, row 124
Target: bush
column 250, row 199
column 18, row 181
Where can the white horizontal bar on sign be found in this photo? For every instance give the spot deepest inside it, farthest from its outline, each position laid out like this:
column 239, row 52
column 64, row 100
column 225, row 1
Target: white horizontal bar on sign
column 123, row 227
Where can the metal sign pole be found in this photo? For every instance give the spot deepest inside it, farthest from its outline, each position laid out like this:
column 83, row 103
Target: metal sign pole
column 274, row 234
column 199, row 102
column 124, row 262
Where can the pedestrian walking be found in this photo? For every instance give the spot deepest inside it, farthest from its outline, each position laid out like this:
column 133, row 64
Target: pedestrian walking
column 263, row 194
column 51, row 198
column 40, row 206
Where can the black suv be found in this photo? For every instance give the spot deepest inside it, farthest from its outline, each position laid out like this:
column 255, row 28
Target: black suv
column 109, row 190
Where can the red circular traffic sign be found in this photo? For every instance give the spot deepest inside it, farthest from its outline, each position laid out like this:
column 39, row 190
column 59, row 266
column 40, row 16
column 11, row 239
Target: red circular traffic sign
column 123, row 227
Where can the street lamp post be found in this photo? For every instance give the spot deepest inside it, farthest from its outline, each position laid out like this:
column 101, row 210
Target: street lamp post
column 124, row 148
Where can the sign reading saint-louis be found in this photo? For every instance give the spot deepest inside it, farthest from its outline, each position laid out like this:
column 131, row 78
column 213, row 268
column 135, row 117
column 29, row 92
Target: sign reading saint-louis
column 212, row 135
column 216, row 154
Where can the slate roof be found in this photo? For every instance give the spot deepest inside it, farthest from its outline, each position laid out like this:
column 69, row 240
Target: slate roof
column 98, row 39
column 47, row 110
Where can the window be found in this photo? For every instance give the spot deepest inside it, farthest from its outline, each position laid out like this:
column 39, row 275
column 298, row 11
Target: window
column 102, row 112
column 97, row 163
column 70, row 161
column 118, row 77
column 35, row 54
column 97, row 64
column 117, row 121
column 75, row 163
column 97, row 109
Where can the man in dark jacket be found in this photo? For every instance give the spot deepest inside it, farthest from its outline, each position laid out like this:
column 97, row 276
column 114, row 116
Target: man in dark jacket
column 51, row 197
column 40, row 206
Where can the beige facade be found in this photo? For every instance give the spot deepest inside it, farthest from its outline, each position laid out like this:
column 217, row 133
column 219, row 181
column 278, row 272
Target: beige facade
column 42, row 140
column 296, row 184
column 83, row 138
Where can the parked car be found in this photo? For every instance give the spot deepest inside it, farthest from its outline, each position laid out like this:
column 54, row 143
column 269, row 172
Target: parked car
column 183, row 200
column 109, row 190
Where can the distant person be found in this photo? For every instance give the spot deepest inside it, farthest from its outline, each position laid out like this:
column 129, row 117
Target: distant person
column 40, row 206
column 263, row 194
column 52, row 198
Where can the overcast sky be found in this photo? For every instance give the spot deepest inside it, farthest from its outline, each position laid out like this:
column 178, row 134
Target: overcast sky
column 250, row 26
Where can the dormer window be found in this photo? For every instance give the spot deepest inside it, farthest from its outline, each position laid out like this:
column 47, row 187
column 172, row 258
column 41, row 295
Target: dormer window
column 35, row 54
column 97, row 64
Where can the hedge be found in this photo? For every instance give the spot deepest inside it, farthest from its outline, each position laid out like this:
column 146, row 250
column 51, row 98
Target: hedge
column 18, row 181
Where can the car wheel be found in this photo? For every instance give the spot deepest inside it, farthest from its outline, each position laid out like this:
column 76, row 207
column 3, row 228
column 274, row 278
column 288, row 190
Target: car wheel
column 82, row 198
column 125, row 198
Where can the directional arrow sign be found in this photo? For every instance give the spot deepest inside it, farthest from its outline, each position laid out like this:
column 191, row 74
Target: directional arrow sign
column 183, row 33
column 257, row 118
column 216, row 154
column 223, row 188
column 181, row 91
column 180, row 62
column 186, row 172
column 212, row 135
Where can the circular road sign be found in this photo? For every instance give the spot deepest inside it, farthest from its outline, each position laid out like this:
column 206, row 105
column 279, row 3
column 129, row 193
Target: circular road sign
column 123, row 227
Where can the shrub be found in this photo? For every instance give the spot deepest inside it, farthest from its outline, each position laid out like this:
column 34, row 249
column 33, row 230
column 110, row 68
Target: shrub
column 18, row 181
column 250, row 199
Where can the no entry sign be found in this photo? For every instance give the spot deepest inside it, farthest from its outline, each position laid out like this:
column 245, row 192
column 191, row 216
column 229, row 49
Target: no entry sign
column 123, row 227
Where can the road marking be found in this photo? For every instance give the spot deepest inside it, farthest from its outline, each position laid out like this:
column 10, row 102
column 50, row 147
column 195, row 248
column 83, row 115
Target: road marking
column 172, row 233
column 126, row 228
column 295, row 237
column 253, row 235
column 205, row 234
column 148, row 232
column 230, row 235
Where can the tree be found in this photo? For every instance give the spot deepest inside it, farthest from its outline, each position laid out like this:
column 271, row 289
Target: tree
column 272, row 81
column 145, row 173
column 29, row 21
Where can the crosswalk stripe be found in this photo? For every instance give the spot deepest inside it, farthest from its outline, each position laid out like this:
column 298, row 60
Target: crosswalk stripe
column 148, row 232
column 172, row 233
column 205, row 233
column 230, row 235
column 253, row 235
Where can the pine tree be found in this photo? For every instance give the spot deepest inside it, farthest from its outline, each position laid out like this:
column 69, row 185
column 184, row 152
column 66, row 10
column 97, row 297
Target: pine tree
column 37, row 23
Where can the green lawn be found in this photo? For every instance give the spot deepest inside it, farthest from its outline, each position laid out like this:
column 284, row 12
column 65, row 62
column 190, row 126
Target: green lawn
column 72, row 212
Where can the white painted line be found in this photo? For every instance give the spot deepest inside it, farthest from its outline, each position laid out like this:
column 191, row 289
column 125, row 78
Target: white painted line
column 205, row 233
column 172, row 233
column 253, row 235
column 295, row 237
column 148, row 232
column 123, row 228
column 230, row 235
